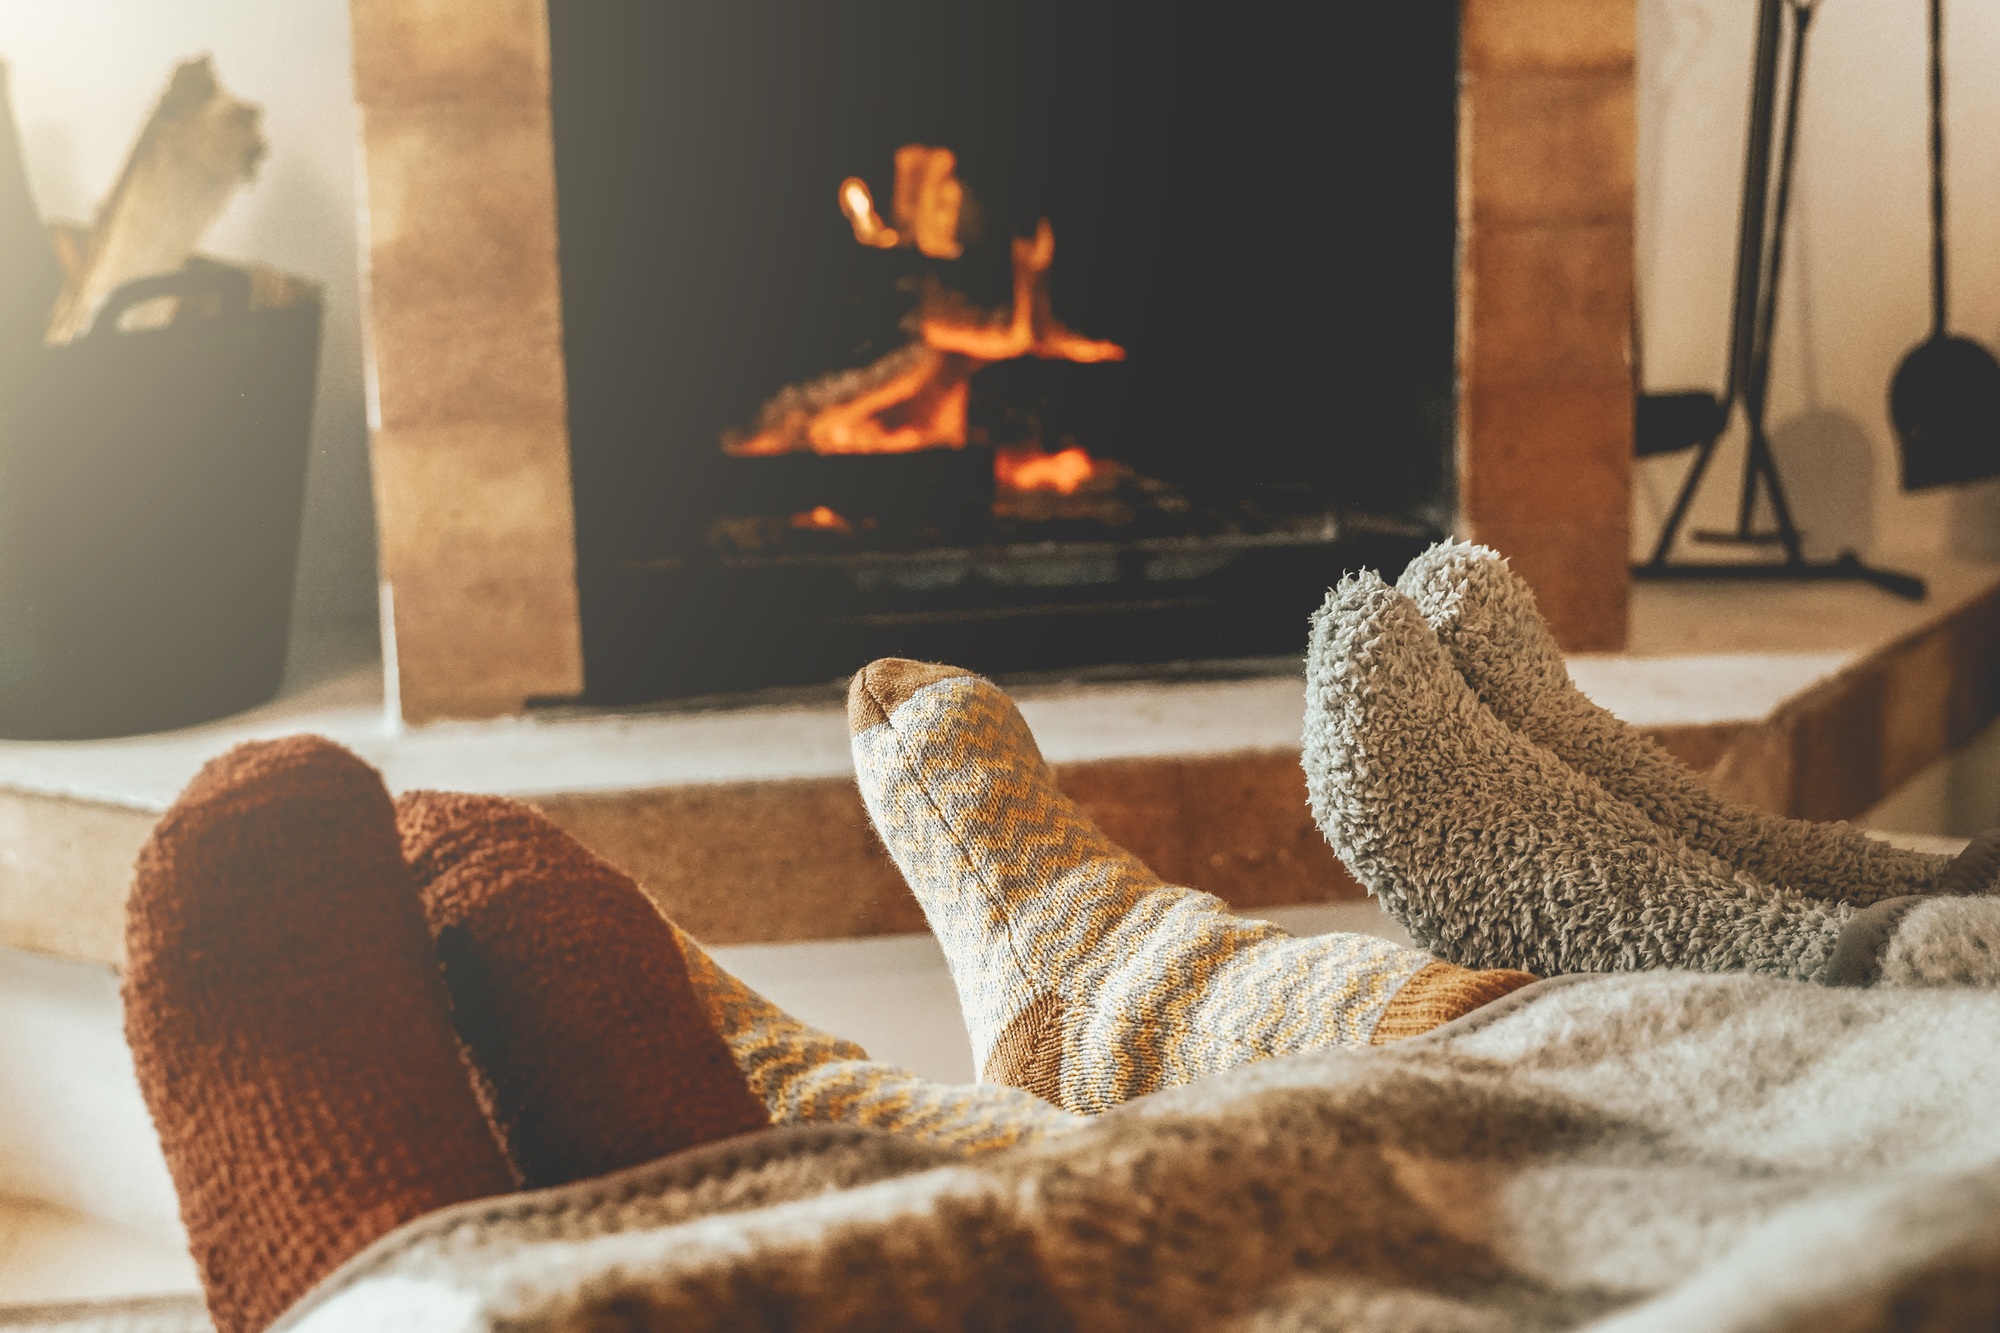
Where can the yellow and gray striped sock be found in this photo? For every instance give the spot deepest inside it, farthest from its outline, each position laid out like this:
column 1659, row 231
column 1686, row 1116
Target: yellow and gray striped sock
column 805, row 1075
column 1084, row 978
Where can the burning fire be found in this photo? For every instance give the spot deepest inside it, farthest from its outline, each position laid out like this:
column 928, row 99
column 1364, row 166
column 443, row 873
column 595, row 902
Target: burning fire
column 1033, row 470
column 927, row 204
column 916, row 397
column 869, row 228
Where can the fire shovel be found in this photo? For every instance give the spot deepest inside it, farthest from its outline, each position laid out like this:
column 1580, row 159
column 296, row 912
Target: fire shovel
column 1945, row 398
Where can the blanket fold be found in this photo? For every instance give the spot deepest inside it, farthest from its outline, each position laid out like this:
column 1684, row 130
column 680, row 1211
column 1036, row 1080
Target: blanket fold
column 1647, row 1151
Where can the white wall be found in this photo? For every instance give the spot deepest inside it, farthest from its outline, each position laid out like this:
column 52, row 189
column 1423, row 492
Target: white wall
column 86, row 74
column 1857, row 286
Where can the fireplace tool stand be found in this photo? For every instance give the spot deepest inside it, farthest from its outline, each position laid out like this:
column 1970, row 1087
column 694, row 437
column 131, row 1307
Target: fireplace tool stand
column 1759, row 262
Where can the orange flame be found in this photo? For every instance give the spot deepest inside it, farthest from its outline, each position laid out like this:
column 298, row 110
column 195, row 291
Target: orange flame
column 1032, row 470
column 916, row 397
column 859, row 206
column 929, row 198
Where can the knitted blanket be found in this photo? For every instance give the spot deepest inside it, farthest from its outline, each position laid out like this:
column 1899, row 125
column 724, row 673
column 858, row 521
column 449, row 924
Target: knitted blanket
column 1663, row 1151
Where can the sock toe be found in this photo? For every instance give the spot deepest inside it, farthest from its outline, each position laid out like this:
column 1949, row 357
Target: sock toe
column 570, row 992
column 882, row 686
column 287, row 1026
column 1486, row 618
column 1920, row 942
column 1974, row 871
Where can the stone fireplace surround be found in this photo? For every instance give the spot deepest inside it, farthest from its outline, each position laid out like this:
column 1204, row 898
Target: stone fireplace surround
column 467, row 388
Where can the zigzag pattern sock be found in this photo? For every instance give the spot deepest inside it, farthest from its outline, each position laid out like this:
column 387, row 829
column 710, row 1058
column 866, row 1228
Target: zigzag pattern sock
column 805, row 1075
column 1485, row 617
column 289, row 1032
column 1493, row 852
column 591, row 1049
column 1083, row 977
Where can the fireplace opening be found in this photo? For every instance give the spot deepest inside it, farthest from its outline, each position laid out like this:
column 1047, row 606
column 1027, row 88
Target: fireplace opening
column 1028, row 336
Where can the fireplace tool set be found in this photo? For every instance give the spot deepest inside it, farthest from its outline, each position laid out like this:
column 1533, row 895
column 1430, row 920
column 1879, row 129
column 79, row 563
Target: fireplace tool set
column 1944, row 400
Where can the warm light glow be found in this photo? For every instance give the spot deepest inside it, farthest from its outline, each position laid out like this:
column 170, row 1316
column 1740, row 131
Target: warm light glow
column 1033, row 470
column 916, row 397
column 821, row 518
column 929, row 198
column 859, row 206
column 922, row 408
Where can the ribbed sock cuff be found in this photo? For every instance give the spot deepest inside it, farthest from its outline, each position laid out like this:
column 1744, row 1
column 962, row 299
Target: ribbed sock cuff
column 1440, row 992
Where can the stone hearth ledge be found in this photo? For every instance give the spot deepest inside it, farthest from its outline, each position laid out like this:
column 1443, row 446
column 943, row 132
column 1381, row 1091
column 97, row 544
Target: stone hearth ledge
column 745, row 824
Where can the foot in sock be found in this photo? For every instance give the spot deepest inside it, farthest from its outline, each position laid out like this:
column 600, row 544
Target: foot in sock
column 1083, row 977
column 1920, row 942
column 1485, row 617
column 285, row 1018
column 572, row 992
column 1493, row 852
column 592, row 1051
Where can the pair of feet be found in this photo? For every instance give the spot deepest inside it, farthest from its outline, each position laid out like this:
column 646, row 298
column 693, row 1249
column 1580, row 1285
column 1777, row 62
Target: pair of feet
column 1508, row 821
column 347, row 1012
column 315, row 1084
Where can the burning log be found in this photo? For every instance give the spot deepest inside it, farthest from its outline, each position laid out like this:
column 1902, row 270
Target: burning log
column 885, row 448
column 940, row 496
column 915, row 398
column 912, row 399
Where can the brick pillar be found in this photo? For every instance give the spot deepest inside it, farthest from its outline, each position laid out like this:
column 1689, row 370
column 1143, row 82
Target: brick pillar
column 1547, row 142
column 468, row 411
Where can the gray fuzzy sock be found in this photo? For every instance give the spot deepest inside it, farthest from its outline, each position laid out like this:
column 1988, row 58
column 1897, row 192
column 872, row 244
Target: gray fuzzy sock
column 1490, row 850
column 1920, row 942
column 1485, row 617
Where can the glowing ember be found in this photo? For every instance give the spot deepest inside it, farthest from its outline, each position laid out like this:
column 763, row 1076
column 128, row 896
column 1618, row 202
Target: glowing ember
column 1032, row 470
column 820, row 518
column 916, row 397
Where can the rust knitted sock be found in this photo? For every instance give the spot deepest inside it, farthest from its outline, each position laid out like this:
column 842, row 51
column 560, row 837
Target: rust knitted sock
column 591, row 1048
column 284, row 1014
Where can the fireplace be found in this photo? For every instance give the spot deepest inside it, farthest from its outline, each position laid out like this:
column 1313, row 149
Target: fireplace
column 1261, row 220
column 1025, row 335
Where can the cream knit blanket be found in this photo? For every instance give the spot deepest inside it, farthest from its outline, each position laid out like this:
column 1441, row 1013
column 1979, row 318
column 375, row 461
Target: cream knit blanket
column 1657, row 1151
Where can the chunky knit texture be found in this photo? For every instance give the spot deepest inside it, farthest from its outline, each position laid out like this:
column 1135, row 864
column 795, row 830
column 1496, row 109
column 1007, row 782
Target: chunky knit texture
column 807, row 1076
column 288, row 1029
column 591, row 1049
column 1485, row 616
column 1652, row 1153
column 1083, row 977
column 574, row 994
column 1439, row 993
column 1490, row 850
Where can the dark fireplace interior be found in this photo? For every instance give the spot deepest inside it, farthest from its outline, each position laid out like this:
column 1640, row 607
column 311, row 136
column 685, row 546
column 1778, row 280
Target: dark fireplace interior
column 1028, row 335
